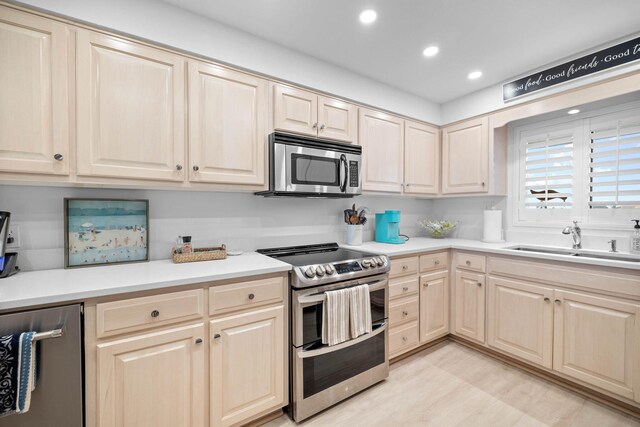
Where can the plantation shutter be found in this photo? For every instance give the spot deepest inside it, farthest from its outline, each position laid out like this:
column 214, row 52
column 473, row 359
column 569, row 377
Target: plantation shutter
column 548, row 169
column 614, row 166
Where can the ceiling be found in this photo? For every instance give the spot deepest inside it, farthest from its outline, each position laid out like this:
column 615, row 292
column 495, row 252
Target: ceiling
column 503, row 38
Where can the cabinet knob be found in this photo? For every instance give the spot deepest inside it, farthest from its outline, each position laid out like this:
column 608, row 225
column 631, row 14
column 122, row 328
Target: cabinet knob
column 479, row 284
column 322, row 127
column 58, row 157
column 251, row 296
column 436, row 262
column 468, row 262
column 404, row 267
column 405, row 313
column 425, row 285
column 404, row 338
column 216, row 336
column 198, row 340
column 405, row 288
column 155, row 313
column 546, row 299
column 315, row 125
column 196, row 168
column 178, row 167
column 483, row 184
column 558, row 301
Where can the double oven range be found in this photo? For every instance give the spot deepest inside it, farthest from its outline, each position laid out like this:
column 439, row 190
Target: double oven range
column 322, row 375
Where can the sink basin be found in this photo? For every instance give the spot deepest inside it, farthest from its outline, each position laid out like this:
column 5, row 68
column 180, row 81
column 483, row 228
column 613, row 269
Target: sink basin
column 577, row 252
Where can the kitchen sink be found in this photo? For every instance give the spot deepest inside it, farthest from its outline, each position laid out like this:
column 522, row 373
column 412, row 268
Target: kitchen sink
column 576, row 252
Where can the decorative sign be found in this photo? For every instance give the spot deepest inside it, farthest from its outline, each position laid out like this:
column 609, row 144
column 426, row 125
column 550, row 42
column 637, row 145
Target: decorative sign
column 598, row 61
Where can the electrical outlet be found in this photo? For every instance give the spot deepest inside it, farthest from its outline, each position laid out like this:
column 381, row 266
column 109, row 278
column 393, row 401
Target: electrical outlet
column 14, row 233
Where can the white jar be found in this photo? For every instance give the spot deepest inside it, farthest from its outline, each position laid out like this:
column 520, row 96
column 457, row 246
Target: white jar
column 354, row 234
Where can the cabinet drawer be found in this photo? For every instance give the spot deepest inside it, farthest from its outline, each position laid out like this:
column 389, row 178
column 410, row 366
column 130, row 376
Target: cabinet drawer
column 471, row 262
column 238, row 296
column 436, row 261
column 403, row 339
column 402, row 287
column 404, row 266
column 403, row 310
column 141, row 313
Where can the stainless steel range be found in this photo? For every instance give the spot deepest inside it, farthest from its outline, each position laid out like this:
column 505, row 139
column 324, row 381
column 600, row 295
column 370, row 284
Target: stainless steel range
column 323, row 375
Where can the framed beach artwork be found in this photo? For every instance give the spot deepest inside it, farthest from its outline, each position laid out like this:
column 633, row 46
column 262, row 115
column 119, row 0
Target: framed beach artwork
column 105, row 231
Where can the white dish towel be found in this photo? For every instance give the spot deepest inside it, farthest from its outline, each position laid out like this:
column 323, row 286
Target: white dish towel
column 335, row 317
column 360, row 311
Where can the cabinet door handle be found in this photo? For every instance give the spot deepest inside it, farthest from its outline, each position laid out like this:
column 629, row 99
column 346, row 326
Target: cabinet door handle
column 155, row 313
column 405, row 288
column 404, row 339
column 196, row 168
column 315, row 125
column 436, row 262
column 558, row 301
column 251, row 296
column 322, row 127
column 479, row 284
column 58, row 157
column 483, row 184
column 198, row 340
column 216, row 336
column 425, row 285
column 546, row 299
column 405, row 313
column 178, row 167
column 468, row 263
column 404, row 267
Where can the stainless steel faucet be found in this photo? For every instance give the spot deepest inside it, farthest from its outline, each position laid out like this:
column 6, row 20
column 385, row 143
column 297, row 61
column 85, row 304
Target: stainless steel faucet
column 575, row 234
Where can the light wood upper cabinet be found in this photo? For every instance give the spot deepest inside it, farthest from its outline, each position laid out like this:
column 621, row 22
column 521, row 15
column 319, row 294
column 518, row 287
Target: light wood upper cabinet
column 34, row 105
column 227, row 125
column 465, row 157
column 469, row 305
column 421, row 158
column 300, row 111
column 156, row 379
column 520, row 319
column 247, row 365
column 381, row 136
column 597, row 340
column 434, row 306
column 130, row 111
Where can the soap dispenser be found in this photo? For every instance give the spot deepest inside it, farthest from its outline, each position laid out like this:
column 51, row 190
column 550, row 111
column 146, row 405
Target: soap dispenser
column 634, row 242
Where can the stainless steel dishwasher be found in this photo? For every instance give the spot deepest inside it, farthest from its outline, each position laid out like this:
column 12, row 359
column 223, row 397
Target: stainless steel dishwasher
column 58, row 397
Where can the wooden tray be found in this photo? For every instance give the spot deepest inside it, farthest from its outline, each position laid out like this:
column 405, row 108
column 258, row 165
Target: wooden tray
column 201, row 254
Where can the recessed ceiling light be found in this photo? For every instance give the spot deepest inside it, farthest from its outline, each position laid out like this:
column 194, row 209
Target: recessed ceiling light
column 574, row 111
column 475, row 75
column 368, row 16
column 431, row 51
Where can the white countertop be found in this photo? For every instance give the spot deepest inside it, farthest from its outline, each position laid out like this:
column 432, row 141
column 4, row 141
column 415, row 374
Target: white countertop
column 424, row 244
column 32, row 288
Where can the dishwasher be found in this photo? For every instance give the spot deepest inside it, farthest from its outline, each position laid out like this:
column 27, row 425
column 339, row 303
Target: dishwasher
column 58, row 397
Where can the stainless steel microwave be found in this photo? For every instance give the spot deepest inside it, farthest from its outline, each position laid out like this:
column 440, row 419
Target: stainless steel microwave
column 310, row 167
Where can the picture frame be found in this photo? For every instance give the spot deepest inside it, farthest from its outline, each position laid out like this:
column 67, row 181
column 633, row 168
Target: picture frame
column 109, row 231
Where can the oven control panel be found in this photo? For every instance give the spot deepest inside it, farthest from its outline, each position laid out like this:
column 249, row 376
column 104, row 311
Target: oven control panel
column 311, row 275
column 348, row 267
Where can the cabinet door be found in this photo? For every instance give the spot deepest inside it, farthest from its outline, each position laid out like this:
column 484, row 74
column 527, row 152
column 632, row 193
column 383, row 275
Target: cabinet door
column 421, row 158
column 469, row 305
column 156, row 379
column 337, row 120
column 227, row 125
column 381, row 137
column 130, row 109
column 597, row 340
column 465, row 157
column 295, row 110
column 434, row 306
column 34, row 108
column 520, row 319
column 247, row 365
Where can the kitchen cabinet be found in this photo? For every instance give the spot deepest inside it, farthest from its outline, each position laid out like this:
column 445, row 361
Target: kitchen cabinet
column 155, row 379
column 34, row 106
column 520, row 319
column 247, row 365
column 465, row 157
column 434, row 305
column 300, row 111
column 381, row 136
column 469, row 304
column 421, row 158
column 131, row 109
column 404, row 305
column 597, row 341
column 227, row 125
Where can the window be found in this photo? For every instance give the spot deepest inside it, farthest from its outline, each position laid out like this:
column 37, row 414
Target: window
column 586, row 169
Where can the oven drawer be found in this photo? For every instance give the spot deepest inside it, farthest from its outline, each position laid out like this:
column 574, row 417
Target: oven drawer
column 403, row 311
column 404, row 266
column 435, row 261
column 402, row 287
column 238, row 296
column 403, row 338
column 470, row 261
column 145, row 312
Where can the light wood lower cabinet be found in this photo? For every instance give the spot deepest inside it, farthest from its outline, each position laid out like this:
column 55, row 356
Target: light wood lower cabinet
column 520, row 319
column 597, row 341
column 155, row 379
column 247, row 365
column 469, row 305
column 434, row 306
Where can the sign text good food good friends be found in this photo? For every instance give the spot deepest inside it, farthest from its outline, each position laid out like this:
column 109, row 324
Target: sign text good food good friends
column 610, row 57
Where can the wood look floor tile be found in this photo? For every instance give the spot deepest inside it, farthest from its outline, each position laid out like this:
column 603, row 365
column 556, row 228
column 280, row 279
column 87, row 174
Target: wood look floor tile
column 452, row 385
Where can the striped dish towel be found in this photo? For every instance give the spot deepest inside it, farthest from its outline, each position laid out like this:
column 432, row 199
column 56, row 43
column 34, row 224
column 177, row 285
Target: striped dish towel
column 360, row 311
column 335, row 317
column 17, row 372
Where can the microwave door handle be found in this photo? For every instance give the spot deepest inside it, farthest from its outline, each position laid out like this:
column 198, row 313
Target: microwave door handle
column 343, row 185
column 329, row 349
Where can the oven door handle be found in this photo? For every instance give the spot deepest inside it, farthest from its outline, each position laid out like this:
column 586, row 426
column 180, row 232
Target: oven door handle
column 320, row 297
column 328, row 349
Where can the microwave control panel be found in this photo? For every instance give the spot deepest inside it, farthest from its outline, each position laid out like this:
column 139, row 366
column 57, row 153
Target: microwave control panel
column 353, row 173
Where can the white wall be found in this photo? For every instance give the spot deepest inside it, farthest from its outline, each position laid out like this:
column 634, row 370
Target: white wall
column 241, row 221
column 175, row 27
